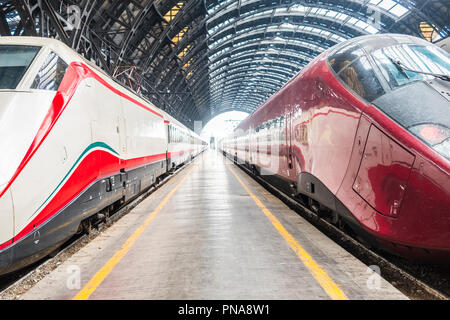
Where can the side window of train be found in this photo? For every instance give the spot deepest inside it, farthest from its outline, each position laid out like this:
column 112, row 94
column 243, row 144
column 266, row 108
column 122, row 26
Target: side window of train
column 345, row 56
column 51, row 73
column 360, row 77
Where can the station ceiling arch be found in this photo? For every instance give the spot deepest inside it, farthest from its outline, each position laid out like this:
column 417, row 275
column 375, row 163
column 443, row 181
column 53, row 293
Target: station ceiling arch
column 198, row 58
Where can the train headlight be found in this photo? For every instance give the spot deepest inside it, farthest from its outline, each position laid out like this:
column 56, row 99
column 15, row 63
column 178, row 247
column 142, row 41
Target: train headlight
column 436, row 136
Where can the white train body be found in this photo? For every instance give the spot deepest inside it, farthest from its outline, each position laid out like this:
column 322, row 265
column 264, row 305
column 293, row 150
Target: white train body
column 73, row 143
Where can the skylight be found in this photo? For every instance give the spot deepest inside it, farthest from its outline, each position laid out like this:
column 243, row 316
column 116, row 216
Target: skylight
column 390, row 6
column 255, row 44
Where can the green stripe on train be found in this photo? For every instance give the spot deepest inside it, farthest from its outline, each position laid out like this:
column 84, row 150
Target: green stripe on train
column 90, row 147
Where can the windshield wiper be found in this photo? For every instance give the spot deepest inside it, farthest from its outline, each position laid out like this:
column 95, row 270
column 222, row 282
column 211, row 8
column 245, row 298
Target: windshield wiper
column 399, row 67
column 403, row 68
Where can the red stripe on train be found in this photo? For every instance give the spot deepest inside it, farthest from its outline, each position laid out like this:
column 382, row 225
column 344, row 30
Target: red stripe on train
column 96, row 165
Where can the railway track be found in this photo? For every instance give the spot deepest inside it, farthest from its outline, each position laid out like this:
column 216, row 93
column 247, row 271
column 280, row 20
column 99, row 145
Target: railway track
column 412, row 280
column 415, row 281
column 17, row 283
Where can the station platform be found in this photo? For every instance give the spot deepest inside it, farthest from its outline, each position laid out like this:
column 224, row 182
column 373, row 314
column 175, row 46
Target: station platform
column 212, row 232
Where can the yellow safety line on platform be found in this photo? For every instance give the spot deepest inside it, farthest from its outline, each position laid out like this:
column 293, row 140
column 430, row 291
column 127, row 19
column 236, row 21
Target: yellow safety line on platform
column 98, row 278
column 330, row 287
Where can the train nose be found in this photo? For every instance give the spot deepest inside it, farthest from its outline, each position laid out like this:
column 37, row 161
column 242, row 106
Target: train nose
column 21, row 115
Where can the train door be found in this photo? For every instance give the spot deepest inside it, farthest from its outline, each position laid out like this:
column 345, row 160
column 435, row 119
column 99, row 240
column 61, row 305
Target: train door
column 289, row 143
column 7, row 213
column 122, row 131
column 235, row 147
column 251, row 144
column 247, row 147
column 383, row 173
column 105, row 117
column 167, row 128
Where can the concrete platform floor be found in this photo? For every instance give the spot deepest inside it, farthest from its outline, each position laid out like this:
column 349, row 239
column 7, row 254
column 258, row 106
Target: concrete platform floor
column 212, row 233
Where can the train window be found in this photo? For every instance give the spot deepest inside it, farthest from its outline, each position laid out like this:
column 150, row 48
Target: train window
column 345, row 56
column 404, row 64
column 51, row 73
column 360, row 77
column 14, row 63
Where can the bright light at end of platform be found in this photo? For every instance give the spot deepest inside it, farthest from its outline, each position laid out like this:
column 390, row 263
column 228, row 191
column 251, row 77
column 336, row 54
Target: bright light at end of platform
column 222, row 125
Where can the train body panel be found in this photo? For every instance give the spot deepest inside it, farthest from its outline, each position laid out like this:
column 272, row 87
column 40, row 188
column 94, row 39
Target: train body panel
column 76, row 143
column 7, row 214
column 323, row 126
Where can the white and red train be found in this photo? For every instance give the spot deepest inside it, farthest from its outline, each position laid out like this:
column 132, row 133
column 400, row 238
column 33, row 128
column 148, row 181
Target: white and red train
column 73, row 142
column 362, row 135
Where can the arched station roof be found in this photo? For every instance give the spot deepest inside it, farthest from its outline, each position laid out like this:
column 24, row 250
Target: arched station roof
column 199, row 58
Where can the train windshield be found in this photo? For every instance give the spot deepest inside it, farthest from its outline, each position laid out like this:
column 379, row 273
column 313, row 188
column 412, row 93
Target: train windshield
column 14, row 63
column 353, row 68
column 51, row 73
column 418, row 108
column 403, row 64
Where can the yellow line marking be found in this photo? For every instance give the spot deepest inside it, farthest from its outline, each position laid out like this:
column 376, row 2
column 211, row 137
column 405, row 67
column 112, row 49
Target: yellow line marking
column 330, row 287
column 98, row 278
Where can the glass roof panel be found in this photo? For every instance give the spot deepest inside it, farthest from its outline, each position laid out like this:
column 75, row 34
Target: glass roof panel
column 387, row 4
column 246, row 35
column 398, row 10
column 390, row 6
column 221, row 49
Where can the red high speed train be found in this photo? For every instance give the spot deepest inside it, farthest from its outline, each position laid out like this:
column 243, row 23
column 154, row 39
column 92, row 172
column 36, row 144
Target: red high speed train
column 362, row 134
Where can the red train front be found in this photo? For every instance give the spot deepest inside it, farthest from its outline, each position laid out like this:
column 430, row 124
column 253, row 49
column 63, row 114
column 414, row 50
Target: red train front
column 362, row 134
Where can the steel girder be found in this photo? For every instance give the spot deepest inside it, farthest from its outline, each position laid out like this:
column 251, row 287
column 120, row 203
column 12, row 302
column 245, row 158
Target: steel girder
column 198, row 58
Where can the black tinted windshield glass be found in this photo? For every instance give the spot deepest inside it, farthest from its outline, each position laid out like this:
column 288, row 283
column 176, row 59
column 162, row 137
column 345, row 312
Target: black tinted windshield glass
column 14, row 62
column 51, row 73
column 429, row 59
column 360, row 77
column 343, row 57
